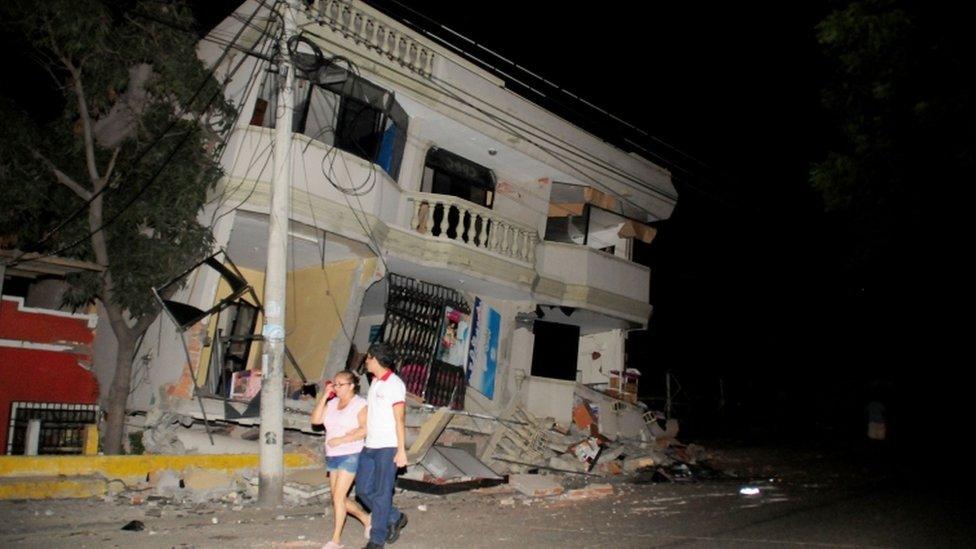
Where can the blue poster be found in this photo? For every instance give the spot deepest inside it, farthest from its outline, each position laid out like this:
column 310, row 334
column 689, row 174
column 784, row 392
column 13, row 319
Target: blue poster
column 483, row 352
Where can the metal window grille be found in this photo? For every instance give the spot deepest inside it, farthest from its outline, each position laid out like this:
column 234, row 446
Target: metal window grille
column 62, row 426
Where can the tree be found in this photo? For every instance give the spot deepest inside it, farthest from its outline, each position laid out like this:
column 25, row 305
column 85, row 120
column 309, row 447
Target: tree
column 901, row 101
column 130, row 148
column 900, row 177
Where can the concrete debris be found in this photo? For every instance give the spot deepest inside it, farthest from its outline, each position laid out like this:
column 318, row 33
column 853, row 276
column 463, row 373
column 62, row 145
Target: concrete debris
column 593, row 491
column 166, row 482
column 159, row 436
column 537, row 486
column 605, row 440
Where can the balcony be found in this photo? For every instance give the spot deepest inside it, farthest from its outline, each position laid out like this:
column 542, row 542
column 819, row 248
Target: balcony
column 590, row 278
column 448, row 218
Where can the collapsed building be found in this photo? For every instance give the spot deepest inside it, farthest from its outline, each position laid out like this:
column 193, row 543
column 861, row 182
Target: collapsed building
column 492, row 243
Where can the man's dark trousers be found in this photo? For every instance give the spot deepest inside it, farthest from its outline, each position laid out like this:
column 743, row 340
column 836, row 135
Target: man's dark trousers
column 375, row 477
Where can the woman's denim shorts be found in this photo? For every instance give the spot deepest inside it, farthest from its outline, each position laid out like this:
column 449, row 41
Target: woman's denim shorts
column 347, row 462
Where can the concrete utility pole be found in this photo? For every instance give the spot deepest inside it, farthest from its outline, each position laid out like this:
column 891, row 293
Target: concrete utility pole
column 271, row 474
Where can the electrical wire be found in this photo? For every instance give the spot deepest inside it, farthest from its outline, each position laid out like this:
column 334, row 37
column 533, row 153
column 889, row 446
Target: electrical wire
column 564, row 91
column 220, row 197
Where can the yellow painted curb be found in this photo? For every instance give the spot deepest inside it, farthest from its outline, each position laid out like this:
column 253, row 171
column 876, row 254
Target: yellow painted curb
column 52, row 487
column 126, row 467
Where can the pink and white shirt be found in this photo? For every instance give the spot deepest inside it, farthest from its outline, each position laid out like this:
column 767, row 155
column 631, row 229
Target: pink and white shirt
column 340, row 422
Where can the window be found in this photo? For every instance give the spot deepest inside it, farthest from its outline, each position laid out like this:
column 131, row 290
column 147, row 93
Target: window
column 588, row 225
column 338, row 108
column 60, row 427
column 448, row 173
column 554, row 353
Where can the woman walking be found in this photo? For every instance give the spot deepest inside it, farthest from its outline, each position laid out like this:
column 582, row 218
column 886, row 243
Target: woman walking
column 344, row 417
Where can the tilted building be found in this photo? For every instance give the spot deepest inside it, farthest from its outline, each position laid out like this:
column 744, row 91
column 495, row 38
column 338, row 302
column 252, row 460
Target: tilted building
column 489, row 240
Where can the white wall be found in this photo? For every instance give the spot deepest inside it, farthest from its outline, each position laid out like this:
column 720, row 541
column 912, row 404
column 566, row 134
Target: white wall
column 610, row 347
column 593, row 268
column 546, row 397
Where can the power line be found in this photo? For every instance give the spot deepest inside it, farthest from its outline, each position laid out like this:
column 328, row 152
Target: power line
column 541, row 79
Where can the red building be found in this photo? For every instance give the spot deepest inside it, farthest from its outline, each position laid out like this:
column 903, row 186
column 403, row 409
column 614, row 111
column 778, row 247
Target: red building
column 45, row 361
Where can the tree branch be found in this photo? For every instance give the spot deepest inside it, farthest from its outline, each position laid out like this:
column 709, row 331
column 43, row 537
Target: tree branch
column 111, row 164
column 62, row 177
column 86, row 122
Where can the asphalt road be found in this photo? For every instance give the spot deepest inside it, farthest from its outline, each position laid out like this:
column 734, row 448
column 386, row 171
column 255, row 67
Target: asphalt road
column 807, row 506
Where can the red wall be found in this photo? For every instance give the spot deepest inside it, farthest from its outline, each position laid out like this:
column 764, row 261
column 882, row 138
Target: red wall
column 39, row 375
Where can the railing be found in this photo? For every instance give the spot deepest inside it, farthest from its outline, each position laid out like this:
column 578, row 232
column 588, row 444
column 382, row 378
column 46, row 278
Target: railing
column 451, row 218
column 353, row 23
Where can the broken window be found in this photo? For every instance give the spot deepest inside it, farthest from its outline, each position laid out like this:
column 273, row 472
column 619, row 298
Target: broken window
column 236, row 323
column 587, row 217
column 450, row 174
column 335, row 107
column 554, row 353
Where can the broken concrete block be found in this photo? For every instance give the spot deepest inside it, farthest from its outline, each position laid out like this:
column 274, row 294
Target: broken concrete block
column 429, row 431
column 302, row 492
column 206, row 484
column 166, row 481
column 633, row 464
column 614, row 467
column 312, row 476
column 564, row 464
column 610, row 454
column 538, row 486
column 593, row 491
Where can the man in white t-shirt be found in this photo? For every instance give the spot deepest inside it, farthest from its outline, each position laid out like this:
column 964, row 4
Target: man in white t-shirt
column 385, row 449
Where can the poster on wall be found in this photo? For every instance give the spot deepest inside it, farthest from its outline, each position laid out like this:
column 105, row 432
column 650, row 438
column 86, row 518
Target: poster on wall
column 374, row 333
column 455, row 330
column 483, row 351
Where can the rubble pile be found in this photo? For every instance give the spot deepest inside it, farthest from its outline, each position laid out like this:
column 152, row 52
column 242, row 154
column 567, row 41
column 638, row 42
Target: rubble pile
column 579, row 448
column 526, row 448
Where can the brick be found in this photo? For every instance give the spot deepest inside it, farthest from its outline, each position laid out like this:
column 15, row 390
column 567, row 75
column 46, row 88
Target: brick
column 593, row 491
column 582, row 416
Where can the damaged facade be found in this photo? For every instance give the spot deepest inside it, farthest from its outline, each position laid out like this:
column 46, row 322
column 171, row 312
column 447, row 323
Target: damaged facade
column 491, row 242
column 48, row 393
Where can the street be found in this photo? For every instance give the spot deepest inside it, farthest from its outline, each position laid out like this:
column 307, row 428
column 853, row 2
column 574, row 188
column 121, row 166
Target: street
column 803, row 506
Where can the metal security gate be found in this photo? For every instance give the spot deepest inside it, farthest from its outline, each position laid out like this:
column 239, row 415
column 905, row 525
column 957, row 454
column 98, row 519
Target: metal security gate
column 62, row 426
column 412, row 325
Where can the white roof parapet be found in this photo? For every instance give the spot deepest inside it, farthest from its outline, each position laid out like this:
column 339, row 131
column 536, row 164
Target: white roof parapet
column 378, row 34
